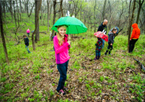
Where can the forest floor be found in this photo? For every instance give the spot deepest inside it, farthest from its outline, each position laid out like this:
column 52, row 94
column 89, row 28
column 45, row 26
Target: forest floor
column 34, row 77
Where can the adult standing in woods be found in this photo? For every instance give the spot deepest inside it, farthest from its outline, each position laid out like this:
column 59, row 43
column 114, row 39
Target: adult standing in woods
column 134, row 36
column 103, row 28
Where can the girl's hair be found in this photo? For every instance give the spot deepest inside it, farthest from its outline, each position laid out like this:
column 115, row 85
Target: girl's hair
column 114, row 29
column 59, row 37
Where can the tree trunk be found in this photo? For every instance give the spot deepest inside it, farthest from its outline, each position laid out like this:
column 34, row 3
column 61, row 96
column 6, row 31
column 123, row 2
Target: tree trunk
column 95, row 15
column 4, row 9
column 51, row 6
column 103, row 13
column 31, row 10
column 138, row 13
column 48, row 15
column 2, row 34
column 10, row 8
column 61, row 10
column 17, row 17
column 131, row 20
column 122, row 11
column 20, row 6
column 77, row 8
column 37, row 22
column 37, row 4
column 26, row 6
column 109, row 25
column 54, row 16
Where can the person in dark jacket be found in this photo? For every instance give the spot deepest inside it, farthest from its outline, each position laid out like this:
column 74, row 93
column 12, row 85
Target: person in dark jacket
column 116, row 32
column 26, row 41
column 103, row 28
column 111, row 40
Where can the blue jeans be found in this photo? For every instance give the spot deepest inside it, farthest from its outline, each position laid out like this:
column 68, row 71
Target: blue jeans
column 98, row 53
column 103, row 43
column 62, row 68
column 27, row 49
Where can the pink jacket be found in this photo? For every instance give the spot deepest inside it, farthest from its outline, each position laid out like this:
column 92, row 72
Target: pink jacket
column 61, row 52
column 28, row 31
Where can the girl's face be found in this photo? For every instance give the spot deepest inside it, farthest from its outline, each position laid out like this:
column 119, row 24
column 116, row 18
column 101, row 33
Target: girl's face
column 62, row 30
column 115, row 31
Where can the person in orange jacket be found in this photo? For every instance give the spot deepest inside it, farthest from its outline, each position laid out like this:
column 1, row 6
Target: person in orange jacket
column 134, row 37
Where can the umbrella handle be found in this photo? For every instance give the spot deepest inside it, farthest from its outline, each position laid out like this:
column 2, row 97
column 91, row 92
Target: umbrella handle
column 69, row 37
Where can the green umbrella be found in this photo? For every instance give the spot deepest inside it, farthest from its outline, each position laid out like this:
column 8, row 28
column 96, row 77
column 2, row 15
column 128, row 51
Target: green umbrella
column 74, row 26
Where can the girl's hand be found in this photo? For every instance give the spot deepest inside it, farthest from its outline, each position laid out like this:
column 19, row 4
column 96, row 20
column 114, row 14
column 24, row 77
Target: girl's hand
column 111, row 44
column 68, row 42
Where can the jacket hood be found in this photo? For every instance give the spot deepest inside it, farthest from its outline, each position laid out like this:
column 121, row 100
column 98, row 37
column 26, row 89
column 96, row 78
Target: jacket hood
column 134, row 25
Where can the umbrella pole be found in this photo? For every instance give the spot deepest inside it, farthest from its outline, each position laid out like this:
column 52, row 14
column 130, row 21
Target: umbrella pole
column 69, row 37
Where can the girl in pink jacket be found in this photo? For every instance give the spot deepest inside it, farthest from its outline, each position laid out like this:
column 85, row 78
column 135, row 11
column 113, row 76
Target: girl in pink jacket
column 28, row 32
column 61, row 47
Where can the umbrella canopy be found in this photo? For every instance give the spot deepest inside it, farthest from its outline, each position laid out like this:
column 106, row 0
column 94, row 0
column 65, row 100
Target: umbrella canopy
column 100, row 34
column 74, row 26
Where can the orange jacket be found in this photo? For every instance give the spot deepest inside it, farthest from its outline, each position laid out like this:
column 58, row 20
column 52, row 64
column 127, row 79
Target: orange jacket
column 135, row 32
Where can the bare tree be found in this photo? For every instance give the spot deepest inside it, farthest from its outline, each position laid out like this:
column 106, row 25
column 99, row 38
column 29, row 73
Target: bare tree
column 37, row 5
column 103, row 13
column 54, row 16
column 77, row 7
column 36, row 21
column 20, row 2
column 95, row 14
column 61, row 10
column 139, row 9
column 29, row 14
column 121, row 13
column 54, row 10
column 17, row 18
column 48, row 15
column 4, row 8
column 26, row 5
column 2, row 34
column 10, row 8
column 110, row 14
column 142, row 21
column 130, row 20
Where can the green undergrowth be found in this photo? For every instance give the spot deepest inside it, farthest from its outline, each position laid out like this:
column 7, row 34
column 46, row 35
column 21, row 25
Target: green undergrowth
column 19, row 79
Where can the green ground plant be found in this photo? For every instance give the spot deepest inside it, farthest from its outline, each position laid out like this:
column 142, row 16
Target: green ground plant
column 19, row 78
